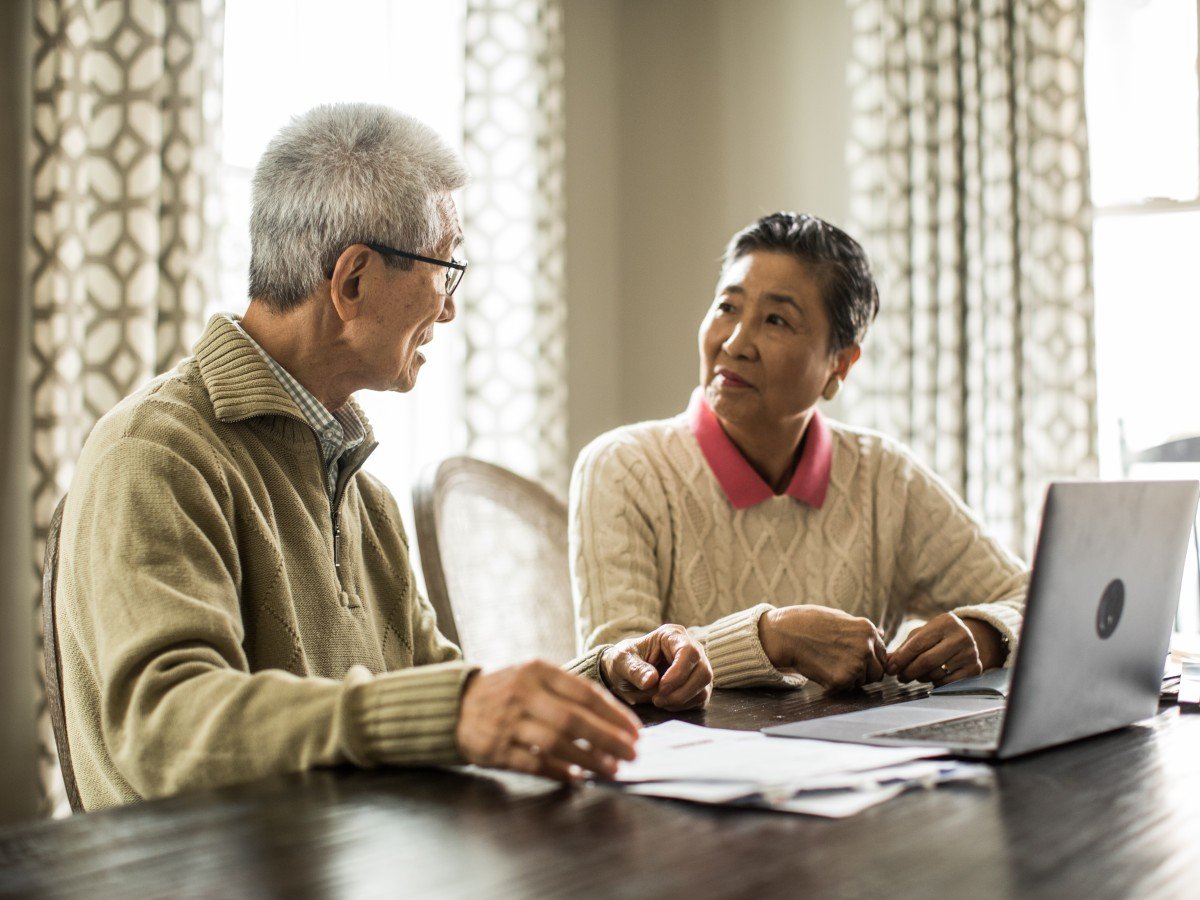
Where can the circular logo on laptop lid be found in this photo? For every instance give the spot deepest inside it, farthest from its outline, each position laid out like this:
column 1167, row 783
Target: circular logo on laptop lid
column 1108, row 613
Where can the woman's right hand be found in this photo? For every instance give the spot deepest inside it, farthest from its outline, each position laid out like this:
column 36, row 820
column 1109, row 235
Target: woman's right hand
column 835, row 649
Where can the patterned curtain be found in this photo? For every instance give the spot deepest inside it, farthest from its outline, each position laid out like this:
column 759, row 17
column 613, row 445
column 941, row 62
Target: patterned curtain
column 514, row 306
column 126, row 97
column 969, row 185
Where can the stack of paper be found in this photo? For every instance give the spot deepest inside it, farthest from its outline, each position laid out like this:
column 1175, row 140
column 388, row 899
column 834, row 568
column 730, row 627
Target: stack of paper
column 1181, row 677
column 715, row 765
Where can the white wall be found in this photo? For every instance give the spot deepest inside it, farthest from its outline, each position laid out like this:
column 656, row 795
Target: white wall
column 686, row 119
column 592, row 34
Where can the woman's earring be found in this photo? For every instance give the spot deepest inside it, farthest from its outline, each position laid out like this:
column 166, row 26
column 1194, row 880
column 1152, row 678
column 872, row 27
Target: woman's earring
column 831, row 388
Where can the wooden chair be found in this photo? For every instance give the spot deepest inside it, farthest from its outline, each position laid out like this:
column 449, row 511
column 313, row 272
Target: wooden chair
column 494, row 551
column 52, row 662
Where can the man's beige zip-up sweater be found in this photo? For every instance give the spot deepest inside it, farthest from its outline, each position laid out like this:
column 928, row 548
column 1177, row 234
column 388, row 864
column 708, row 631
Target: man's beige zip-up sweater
column 208, row 635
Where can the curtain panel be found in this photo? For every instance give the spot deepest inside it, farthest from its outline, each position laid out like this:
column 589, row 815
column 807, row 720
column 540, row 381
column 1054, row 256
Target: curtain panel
column 969, row 189
column 513, row 311
column 125, row 111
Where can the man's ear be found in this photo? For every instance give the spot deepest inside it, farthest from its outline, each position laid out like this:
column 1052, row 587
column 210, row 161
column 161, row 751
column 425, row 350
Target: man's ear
column 347, row 286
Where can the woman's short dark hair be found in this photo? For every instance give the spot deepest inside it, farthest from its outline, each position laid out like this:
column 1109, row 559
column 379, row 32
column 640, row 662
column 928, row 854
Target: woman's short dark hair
column 835, row 259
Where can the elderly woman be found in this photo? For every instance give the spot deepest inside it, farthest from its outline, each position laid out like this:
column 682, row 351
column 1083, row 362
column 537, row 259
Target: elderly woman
column 791, row 545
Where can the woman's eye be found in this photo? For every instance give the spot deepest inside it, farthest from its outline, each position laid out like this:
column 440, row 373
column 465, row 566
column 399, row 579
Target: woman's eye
column 774, row 319
column 724, row 306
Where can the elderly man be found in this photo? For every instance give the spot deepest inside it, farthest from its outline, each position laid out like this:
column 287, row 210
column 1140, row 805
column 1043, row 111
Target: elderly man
column 235, row 593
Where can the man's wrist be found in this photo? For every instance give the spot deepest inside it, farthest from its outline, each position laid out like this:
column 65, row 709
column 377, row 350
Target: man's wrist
column 459, row 724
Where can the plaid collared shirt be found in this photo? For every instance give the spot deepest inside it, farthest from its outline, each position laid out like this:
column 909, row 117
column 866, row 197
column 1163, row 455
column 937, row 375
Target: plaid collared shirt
column 338, row 432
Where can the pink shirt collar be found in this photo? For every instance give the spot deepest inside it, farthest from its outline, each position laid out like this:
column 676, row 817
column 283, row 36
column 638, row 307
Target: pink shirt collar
column 742, row 485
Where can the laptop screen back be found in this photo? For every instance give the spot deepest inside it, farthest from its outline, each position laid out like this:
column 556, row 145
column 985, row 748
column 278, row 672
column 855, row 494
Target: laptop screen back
column 1102, row 598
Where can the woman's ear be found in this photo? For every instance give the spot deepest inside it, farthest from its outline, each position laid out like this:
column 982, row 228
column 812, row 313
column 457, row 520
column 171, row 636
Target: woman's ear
column 845, row 359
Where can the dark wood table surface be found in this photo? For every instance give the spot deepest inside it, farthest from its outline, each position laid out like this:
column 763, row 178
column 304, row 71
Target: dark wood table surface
column 1114, row 816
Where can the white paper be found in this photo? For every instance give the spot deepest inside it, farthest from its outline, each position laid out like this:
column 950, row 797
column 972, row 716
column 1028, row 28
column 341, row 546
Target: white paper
column 1189, row 682
column 677, row 751
column 746, row 768
column 838, row 804
column 697, row 791
column 889, row 783
column 921, row 773
column 841, row 797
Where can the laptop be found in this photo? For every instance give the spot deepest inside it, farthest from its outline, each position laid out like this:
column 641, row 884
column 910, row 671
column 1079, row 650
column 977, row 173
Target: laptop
column 1102, row 599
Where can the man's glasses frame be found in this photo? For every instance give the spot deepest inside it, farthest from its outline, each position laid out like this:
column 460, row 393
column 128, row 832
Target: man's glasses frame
column 455, row 268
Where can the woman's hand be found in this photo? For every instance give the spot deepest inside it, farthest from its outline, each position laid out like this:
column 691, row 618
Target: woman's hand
column 947, row 648
column 666, row 667
column 835, row 649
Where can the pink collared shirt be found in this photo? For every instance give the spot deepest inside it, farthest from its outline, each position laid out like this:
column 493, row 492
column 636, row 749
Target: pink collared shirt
column 743, row 486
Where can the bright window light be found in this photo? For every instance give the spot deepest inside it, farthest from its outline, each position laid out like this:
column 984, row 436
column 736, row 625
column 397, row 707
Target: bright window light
column 1142, row 105
column 286, row 56
column 1147, row 324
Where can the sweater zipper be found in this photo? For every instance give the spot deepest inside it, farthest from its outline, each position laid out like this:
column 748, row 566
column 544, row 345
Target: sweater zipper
column 335, row 517
column 335, row 508
column 337, row 540
column 336, row 512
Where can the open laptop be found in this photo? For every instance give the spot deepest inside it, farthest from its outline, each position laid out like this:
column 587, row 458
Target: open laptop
column 1102, row 597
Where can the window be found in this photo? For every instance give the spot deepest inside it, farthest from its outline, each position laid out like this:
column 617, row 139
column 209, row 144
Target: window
column 284, row 57
column 1143, row 107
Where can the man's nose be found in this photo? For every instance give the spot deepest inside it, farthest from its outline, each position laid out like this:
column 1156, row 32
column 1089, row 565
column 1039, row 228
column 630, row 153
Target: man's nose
column 448, row 311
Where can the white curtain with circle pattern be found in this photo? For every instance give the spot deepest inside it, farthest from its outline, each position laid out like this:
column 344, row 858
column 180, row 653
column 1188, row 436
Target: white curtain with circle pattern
column 513, row 310
column 969, row 178
column 125, row 114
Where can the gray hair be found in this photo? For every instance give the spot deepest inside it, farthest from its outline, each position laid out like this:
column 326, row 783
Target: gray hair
column 342, row 174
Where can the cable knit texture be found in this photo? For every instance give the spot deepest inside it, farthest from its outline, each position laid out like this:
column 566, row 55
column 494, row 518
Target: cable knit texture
column 654, row 539
column 207, row 635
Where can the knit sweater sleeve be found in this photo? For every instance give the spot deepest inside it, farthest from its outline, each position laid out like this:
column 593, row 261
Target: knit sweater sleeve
column 619, row 537
column 946, row 561
column 151, row 581
column 621, row 562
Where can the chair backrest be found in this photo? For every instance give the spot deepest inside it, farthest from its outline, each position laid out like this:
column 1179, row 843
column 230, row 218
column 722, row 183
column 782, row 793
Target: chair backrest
column 53, row 664
column 494, row 552
column 1177, row 454
column 1180, row 450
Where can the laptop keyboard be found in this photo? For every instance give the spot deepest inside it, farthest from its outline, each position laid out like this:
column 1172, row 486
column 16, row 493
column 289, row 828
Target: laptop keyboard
column 982, row 729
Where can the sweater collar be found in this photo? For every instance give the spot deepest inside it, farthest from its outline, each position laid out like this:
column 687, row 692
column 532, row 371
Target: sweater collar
column 241, row 384
column 743, row 486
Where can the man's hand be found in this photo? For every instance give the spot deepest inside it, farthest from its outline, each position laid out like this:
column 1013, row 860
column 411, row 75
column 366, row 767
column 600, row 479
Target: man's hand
column 666, row 667
column 536, row 718
column 837, row 650
column 947, row 648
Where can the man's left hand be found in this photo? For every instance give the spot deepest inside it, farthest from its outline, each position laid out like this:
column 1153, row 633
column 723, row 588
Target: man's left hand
column 666, row 667
column 945, row 649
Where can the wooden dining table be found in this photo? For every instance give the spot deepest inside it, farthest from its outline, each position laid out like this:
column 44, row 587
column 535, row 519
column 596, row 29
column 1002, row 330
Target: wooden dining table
column 1115, row 816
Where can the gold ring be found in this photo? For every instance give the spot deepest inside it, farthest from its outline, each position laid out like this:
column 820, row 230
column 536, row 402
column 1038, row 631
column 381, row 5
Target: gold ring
column 945, row 669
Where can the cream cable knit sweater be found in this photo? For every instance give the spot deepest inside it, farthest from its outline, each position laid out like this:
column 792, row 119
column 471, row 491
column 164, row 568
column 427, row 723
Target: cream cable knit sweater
column 654, row 539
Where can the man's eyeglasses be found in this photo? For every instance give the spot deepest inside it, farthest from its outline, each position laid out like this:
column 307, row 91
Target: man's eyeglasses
column 454, row 267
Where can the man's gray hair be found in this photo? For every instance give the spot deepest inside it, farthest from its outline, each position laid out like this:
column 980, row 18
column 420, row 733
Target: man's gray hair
column 342, row 174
